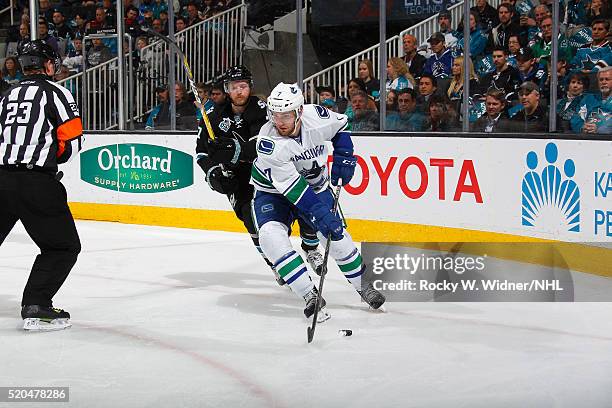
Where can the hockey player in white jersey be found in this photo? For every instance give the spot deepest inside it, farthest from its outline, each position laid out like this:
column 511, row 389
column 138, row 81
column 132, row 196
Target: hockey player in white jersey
column 291, row 180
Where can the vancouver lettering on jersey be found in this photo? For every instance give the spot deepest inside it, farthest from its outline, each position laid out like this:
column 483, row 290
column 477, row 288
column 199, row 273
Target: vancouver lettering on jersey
column 310, row 153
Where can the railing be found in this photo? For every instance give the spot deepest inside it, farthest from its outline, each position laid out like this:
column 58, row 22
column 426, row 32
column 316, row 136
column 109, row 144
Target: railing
column 211, row 47
column 337, row 76
column 10, row 8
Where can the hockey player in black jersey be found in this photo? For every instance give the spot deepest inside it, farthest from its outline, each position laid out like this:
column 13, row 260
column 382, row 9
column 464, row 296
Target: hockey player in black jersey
column 227, row 158
column 46, row 119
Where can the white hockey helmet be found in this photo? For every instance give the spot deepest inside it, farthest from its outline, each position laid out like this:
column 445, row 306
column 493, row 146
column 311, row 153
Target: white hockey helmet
column 286, row 98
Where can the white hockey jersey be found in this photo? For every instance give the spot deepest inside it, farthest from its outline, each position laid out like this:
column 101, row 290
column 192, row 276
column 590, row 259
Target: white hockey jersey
column 288, row 165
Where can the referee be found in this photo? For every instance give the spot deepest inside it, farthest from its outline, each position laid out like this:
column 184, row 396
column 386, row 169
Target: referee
column 40, row 128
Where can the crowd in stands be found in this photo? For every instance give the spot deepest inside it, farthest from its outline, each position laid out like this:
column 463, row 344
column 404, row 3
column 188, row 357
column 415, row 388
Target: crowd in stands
column 509, row 66
column 509, row 74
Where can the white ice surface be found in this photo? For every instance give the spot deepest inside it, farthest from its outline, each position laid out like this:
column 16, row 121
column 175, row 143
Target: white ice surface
column 168, row 317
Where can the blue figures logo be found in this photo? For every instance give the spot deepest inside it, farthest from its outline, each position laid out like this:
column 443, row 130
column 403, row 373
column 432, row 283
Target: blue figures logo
column 551, row 201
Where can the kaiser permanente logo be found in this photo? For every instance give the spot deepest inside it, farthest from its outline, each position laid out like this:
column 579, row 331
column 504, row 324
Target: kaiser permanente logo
column 551, row 200
column 137, row 168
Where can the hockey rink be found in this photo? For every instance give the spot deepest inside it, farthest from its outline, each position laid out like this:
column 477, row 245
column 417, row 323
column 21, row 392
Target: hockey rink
column 167, row 317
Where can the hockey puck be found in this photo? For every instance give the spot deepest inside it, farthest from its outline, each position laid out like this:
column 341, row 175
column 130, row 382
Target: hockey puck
column 345, row 332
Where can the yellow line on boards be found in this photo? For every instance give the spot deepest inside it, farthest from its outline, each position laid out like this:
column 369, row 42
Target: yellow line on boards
column 578, row 257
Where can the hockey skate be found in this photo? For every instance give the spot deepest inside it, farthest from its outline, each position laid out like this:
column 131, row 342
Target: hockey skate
column 371, row 296
column 311, row 301
column 315, row 260
column 42, row 318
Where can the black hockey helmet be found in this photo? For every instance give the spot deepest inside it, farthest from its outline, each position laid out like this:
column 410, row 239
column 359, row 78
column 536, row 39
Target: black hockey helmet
column 237, row 73
column 33, row 55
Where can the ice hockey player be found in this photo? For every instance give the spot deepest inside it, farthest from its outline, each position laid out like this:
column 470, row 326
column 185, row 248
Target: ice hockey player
column 291, row 180
column 227, row 159
column 46, row 120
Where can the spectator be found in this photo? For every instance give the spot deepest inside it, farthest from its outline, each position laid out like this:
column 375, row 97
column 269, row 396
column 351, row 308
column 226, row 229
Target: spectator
column 132, row 26
column 391, row 102
column 43, row 34
column 355, row 85
column 455, row 88
column 192, row 14
column 501, row 33
column 45, row 10
column 514, row 47
column 74, row 58
column 441, row 115
column 180, row 24
column 495, row 119
column 568, row 106
column 11, row 71
column 427, row 87
column 61, row 30
column 24, row 34
column 533, row 117
column 99, row 22
column 398, row 77
column 160, row 115
column 110, row 10
column 158, row 26
column 595, row 112
column 364, row 119
column 98, row 53
column 80, row 28
column 204, row 93
column 542, row 46
column 407, row 118
column 504, row 77
column 478, row 41
column 145, row 6
column 576, row 12
column 441, row 60
column 414, row 60
column 530, row 70
column 591, row 57
column 163, row 16
column 598, row 9
column 444, row 25
column 217, row 94
column 487, row 15
column 365, row 71
column 325, row 93
column 158, row 7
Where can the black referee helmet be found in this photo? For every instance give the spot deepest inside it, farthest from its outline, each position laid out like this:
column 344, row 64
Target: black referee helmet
column 33, row 55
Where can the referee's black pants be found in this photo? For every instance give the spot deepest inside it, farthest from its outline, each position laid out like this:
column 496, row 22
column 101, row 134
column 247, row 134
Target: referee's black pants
column 39, row 201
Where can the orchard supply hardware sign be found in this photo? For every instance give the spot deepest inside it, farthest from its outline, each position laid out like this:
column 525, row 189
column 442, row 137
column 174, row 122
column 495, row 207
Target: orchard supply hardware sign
column 137, row 168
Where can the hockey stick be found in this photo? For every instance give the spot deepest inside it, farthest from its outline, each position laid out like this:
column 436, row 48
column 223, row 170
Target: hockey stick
column 192, row 83
column 310, row 331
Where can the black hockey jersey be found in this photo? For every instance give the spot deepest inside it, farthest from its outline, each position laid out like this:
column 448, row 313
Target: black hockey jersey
column 225, row 123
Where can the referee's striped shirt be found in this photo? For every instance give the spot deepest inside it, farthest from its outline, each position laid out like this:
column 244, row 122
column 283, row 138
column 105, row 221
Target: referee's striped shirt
column 39, row 124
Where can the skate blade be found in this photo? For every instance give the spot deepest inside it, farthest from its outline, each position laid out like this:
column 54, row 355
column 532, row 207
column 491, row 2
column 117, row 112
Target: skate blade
column 35, row 324
column 381, row 309
column 323, row 316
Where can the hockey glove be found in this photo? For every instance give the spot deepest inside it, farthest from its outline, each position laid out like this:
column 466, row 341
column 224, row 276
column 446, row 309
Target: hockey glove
column 325, row 221
column 220, row 182
column 224, row 150
column 343, row 167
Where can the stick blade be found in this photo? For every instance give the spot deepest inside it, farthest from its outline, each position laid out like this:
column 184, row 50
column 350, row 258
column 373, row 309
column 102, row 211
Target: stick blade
column 310, row 333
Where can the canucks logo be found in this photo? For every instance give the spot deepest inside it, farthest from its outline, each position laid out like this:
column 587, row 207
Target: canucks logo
column 551, row 199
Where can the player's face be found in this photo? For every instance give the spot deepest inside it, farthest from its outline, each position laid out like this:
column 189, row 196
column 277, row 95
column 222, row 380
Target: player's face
column 575, row 88
column 284, row 123
column 499, row 59
column 605, row 82
column 494, row 107
column 239, row 92
column 599, row 32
